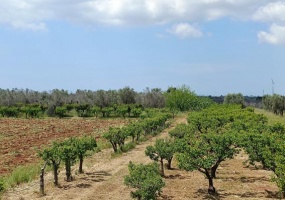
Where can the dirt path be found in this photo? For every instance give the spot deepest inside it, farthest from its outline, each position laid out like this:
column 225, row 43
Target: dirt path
column 103, row 179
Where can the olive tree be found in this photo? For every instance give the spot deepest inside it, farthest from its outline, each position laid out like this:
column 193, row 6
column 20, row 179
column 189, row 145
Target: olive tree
column 234, row 99
column 127, row 95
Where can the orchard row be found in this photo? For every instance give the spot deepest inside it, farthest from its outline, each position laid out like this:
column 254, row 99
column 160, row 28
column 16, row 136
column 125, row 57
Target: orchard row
column 210, row 137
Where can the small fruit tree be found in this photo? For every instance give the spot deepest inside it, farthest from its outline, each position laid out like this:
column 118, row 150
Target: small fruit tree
column 81, row 147
column 163, row 149
column 52, row 156
column 206, row 153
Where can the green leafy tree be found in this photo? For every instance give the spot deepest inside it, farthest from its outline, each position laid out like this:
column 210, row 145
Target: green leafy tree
column 9, row 111
column 83, row 110
column 60, row 111
column 205, row 154
column 95, row 110
column 274, row 103
column 136, row 111
column 127, row 95
column 135, row 131
column 106, row 111
column 268, row 148
column 163, row 149
column 81, row 147
column 52, row 156
column 70, row 107
column 68, row 156
column 181, row 99
column 122, row 110
column 116, row 137
column 32, row 110
column 181, row 130
column 145, row 179
column 234, row 99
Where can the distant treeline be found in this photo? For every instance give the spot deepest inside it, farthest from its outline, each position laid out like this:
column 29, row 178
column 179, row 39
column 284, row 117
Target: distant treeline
column 153, row 98
column 149, row 98
column 98, row 103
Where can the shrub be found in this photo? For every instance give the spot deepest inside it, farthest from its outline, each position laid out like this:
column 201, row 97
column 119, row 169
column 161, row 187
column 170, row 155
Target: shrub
column 145, row 179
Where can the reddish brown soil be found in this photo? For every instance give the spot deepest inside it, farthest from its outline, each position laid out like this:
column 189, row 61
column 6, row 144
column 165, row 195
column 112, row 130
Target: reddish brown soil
column 20, row 139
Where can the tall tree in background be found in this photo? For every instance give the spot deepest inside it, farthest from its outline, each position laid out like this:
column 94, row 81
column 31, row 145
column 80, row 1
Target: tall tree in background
column 153, row 98
column 181, row 99
column 234, row 99
column 127, row 95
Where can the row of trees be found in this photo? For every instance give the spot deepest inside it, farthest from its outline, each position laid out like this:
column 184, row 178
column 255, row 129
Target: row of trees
column 148, row 126
column 219, row 132
column 210, row 137
column 274, row 103
column 101, row 98
column 69, row 110
column 29, row 111
column 68, row 151
column 117, row 103
column 75, row 149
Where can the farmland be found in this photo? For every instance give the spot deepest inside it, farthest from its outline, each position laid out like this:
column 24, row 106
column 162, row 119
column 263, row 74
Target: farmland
column 22, row 138
column 238, row 151
column 104, row 176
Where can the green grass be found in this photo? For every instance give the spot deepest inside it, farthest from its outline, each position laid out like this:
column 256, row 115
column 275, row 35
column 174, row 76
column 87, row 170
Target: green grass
column 21, row 174
column 272, row 118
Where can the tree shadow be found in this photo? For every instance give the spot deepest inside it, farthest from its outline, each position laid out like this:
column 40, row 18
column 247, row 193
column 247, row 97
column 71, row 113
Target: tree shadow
column 274, row 194
column 176, row 176
column 85, row 180
column 165, row 197
column 83, row 185
column 244, row 195
column 203, row 194
column 245, row 179
column 98, row 176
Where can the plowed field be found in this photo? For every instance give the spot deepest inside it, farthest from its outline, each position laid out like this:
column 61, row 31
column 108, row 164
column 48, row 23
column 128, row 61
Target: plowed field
column 20, row 139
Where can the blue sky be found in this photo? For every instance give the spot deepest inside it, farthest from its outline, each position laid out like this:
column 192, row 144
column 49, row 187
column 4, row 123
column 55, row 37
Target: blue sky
column 215, row 47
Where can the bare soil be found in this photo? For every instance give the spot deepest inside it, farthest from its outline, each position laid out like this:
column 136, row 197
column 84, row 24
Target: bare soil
column 103, row 179
column 20, row 139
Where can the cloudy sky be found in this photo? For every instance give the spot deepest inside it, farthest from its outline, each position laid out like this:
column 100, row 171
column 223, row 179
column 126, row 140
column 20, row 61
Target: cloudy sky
column 213, row 46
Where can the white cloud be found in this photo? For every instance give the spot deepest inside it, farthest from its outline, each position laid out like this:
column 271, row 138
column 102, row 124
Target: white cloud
column 272, row 12
column 35, row 14
column 125, row 12
column 276, row 35
column 184, row 30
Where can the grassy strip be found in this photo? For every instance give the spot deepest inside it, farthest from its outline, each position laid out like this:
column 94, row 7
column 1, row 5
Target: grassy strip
column 272, row 118
column 21, row 174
